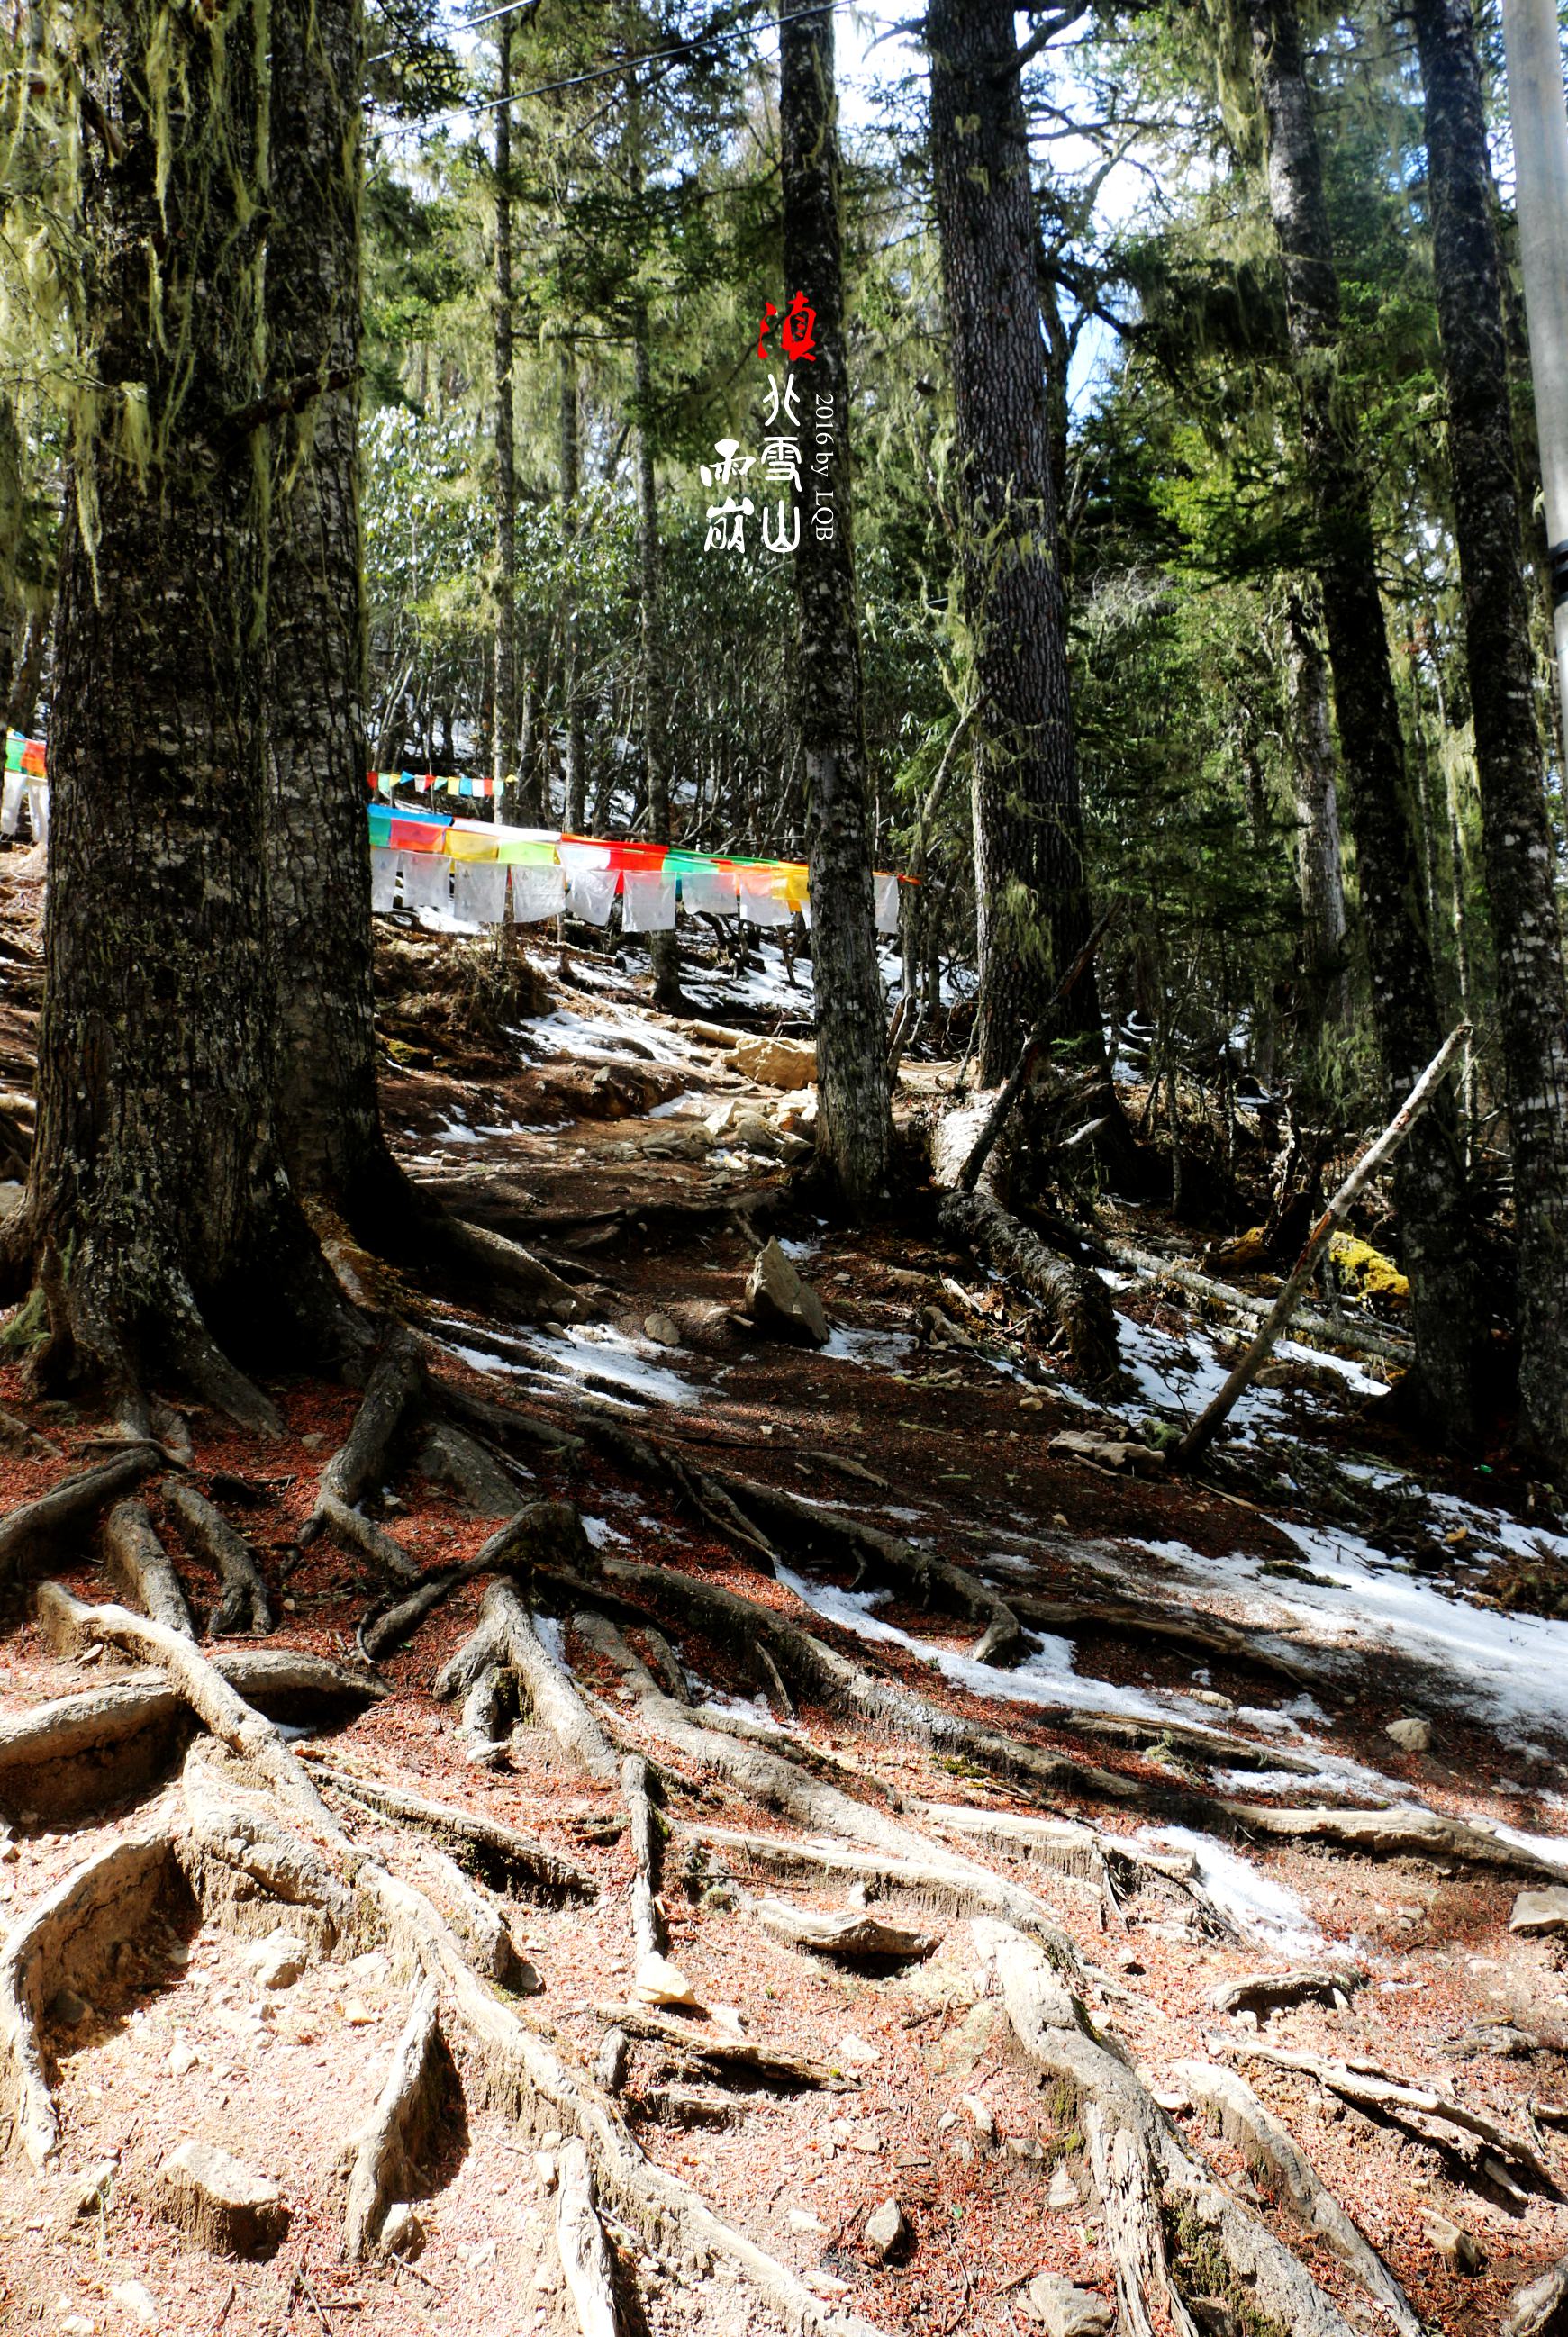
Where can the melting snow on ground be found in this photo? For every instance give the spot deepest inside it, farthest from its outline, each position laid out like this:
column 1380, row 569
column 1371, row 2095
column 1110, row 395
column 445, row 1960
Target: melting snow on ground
column 619, row 1369
column 1047, row 1679
column 1510, row 1669
column 1257, row 1905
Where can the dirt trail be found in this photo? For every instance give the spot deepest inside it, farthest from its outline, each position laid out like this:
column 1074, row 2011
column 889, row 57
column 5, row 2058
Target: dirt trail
column 1199, row 1661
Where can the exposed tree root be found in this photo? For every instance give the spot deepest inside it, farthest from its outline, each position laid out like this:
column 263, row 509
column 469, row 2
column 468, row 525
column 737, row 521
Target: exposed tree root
column 1171, row 2228
column 1507, row 2161
column 1073, row 1296
column 449, row 1456
column 1267, row 1992
column 815, row 1671
column 498, row 1854
column 585, row 2250
column 1145, row 1618
column 142, row 1569
column 506, row 1639
column 1065, row 1846
column 68, row 1940
column 395, row 1382
column 856, row 1936
column 1540, row 2308
column 505, row 2063
column 724, row 2056
column 544, row 1533
column 1404, row 1831
column 32, row 1535
column 244, row 1605
column 816, row 1531
column 389, row 2153
column 650, row 1934
column 927, row 1879
column 83, row 1753
column 1235, row 2111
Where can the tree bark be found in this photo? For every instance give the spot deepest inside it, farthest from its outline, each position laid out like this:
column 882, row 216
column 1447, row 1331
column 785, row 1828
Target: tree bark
column 1428, row 1177
column 157, row 1186
column 662, row 948
column 854, row 1120
column 1032, row 899
column 1319, row 872
column 504, row 733
column 316, row 847
column 1532, row 998
column 576, row 776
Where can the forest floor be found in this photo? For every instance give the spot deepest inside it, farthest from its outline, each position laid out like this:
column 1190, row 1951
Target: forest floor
column 1204, row 1658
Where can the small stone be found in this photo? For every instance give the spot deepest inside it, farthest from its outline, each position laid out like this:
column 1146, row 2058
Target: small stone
column 90, row 2190
column 313, row 1440
column 132, row 2297
column 182, row 2058
column 76, row 2324
column 1457, row 2247
column 888, row 2234
column 823, row 2283
column 402, row 2232
column 663, row 1331
column 544, row 2168
column 1061, row 2192
column 1031, row 1404
column 66, row 2006
column 779, row 1302
column 1539, row 1914
column 278, row 1961
column 659, row 1982
column 801, row 2219
column 985, row 2122
column 358, row 2015
column 221, row 2203
column 1410, row 1735
column 857, row 2048
column 1066, row 2310
column 947, row 2121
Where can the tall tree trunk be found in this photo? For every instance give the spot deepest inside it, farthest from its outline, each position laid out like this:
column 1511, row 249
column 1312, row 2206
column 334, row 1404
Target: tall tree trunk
column 1429, row 1176
column 504, row 736
column 1033, row 906
column 1320, row 868
column 854, row 1121
column 1516, row 842
column 571, row 487
column 29, row 675
column 663, row 948
column 317, row 857
column 157, row 1204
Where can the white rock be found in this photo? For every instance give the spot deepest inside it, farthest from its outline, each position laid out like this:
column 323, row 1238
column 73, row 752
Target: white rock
column 1539, row 1914
column 1066, row 2310
column 182, row 2058
column 887, row 2230
column 778, row 1301
column 659, row 1982
column 132, row 2297
column 1063, row 2192
column 1410, row 1735
column 985, row 2122
column 402, row 2232
column 278, row 1961
column 801, row 2220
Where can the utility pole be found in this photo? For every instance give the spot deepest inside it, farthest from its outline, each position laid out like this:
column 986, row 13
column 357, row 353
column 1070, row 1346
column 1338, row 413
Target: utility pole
column 1539, row 116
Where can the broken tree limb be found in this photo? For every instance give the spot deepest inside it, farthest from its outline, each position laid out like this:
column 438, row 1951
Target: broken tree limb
column 1233, row 2106
column 244, row 1606
column 142, row 1569
column 969, row 1175
column 1075, row 1297
column 1379, row 1339
column 1201, row 1436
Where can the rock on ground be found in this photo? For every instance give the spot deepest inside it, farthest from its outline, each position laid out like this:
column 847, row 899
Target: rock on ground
column 1065, row 2311
column 221, row 2203
column 778, row 1301
column 1537, row 1913
column 777, row 1062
